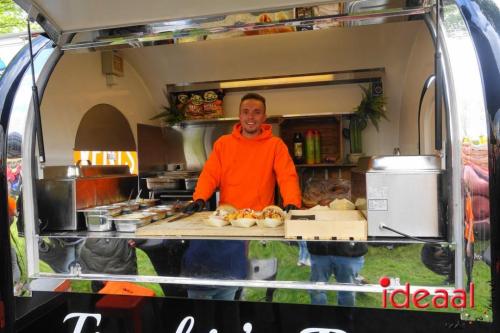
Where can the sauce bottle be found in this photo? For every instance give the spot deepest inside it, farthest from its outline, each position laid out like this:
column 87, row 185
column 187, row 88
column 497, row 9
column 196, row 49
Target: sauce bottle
column 317, row 149
column 298, row 148
column 310, row 147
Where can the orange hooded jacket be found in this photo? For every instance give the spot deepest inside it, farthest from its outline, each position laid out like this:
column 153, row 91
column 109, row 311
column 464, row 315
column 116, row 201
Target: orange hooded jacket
column 246, row 170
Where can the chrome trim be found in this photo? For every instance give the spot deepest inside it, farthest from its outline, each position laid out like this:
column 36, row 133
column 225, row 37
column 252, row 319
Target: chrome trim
column 339, row 77
column 124, row 235
column 172, row 30
column 467, row 115
column 30, row 165
column 19, row 144
column 201, row 19
column 430, row 22
column 272, row 119
column 431, row 26
column 333, row 286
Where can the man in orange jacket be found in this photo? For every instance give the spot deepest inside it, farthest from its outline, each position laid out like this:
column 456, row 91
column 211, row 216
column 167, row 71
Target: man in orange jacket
column 245, row 165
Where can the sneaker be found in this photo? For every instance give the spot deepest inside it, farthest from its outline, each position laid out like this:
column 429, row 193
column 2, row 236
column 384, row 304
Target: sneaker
column 360, row 280
column 306, row 262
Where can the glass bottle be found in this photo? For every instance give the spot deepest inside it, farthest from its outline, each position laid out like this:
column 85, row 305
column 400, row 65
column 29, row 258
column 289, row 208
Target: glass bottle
column 298, row 148
column 310, row 147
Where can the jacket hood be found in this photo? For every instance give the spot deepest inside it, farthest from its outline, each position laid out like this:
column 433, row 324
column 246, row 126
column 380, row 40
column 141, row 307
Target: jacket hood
column 264, row 135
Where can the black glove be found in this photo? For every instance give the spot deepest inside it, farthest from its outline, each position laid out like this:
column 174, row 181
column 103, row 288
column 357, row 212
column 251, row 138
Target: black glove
column 195, row 206
column 290, row 207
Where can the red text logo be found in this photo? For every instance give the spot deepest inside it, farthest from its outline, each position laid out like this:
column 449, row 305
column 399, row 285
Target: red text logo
column 441, row 298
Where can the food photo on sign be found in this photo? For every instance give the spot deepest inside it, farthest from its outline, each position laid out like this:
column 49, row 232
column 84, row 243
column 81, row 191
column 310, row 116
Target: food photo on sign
column 205, row 104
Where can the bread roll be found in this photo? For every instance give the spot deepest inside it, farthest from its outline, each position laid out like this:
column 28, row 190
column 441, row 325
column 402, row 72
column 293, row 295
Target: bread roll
column 243, row 222
column 272, row 216
column 360, row 204
column 216, row 221
column 342, row 204
column 274, row 208
column 228, row 208
column 220, row 217
column 244, row 218
column 319, row 207
column 269, row 222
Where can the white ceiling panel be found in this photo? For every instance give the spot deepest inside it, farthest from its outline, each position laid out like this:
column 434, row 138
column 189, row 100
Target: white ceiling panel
column 78, row 15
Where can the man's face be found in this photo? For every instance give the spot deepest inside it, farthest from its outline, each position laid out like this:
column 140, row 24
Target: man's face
column 252, row 115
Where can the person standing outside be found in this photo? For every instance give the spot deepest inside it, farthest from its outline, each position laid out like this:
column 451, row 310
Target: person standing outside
column 344, row 260
column 245, row 165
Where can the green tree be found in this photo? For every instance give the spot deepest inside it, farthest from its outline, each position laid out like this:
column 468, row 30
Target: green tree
column 12, row 17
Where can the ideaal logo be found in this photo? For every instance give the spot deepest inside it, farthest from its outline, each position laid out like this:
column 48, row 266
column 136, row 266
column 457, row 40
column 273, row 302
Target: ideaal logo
column 440, row 300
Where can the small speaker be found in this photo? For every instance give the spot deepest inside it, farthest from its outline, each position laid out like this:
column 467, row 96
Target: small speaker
column 377, row 89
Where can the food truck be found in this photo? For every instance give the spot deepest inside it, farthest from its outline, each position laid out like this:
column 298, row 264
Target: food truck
column 389, row 110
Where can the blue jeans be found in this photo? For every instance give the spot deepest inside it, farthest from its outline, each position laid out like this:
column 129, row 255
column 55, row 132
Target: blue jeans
column 345, row 270
column 222, row 293
column 303, row 252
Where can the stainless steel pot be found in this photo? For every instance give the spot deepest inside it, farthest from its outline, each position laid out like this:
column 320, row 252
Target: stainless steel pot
column 99, row 218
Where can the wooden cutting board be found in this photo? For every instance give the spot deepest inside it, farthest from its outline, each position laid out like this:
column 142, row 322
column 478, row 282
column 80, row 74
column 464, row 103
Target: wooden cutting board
column 194, row 225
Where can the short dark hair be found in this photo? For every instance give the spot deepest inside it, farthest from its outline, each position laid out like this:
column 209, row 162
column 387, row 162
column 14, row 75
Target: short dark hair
column 254, row 96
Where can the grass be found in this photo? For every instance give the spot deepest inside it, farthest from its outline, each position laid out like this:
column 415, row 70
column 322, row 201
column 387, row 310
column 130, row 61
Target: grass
column 402, row 262
column 144, row 267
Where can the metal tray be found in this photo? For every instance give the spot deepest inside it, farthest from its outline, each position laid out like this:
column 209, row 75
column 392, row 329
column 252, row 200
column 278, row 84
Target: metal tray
column 163, row 183
column 98, row 223
column 146, row 203
column 110, row 210
column 160, row 213
column 130, row 222
column 128, row 206
column 99, row 218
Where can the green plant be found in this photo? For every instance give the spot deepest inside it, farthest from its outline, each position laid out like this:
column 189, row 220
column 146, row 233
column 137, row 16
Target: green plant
column 173, row 113
column 371, row 108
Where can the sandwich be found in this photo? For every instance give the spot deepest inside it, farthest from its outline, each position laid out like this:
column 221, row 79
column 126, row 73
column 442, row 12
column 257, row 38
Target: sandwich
column 220, row 217
column 244, row 218
column 272, row 216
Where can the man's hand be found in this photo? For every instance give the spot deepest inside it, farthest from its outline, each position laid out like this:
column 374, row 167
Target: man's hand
column 195, row 206
column 290, row 207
